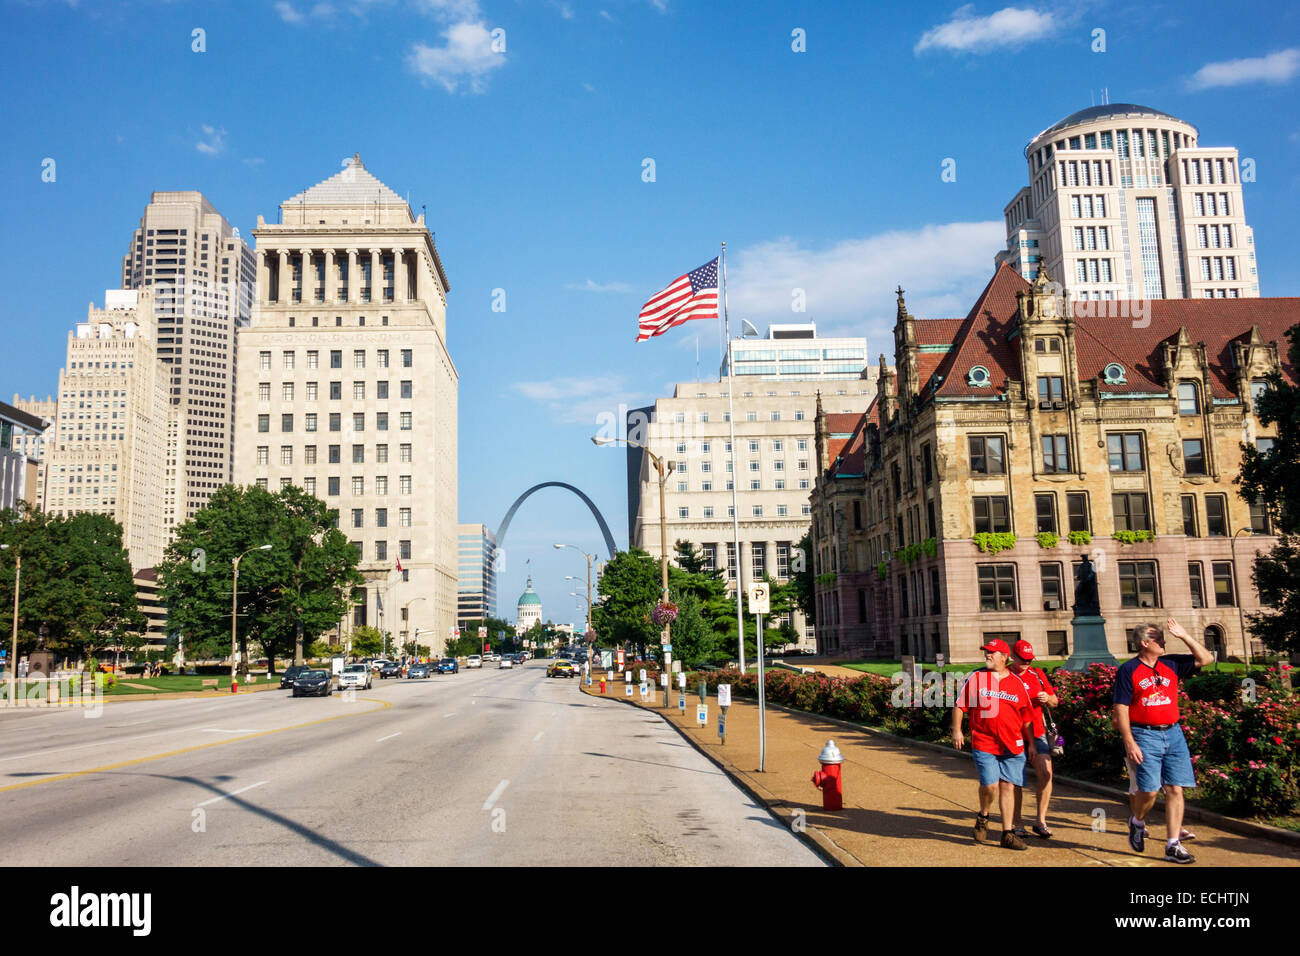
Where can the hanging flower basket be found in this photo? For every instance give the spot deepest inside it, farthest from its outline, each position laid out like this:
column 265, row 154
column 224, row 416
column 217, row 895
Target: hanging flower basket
column 665, row 613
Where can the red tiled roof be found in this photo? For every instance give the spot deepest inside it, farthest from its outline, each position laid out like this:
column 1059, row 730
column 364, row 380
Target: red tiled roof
column 851, row 458
column 1135, row 343
column 982, row 339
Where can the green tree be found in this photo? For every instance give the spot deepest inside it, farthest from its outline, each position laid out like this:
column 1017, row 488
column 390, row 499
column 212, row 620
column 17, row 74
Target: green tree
column 1269, row 478
column 629, row 589
column 302, row 585
column 803, row 580
column 367, row 641
column 76, row 580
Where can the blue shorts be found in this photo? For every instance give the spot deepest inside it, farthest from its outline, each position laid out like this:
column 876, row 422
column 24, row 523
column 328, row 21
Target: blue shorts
column 1042, row 746
column 1165, row 759
column 993, row 768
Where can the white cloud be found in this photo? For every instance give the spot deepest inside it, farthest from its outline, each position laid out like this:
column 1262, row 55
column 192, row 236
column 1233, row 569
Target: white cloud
column 457, row 11
column 849, row 285
column 1277, row 67
column 565, row 10
column 605, row 14
column 466, row 55
column 254, row 161
column 660, row 5
column 967, row 33
column 213, row 141
column 289, row 14
column 593, row 286
column 588, row 87
column 582, row 401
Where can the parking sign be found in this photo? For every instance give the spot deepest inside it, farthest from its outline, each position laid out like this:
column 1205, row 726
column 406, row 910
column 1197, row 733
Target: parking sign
column 759, row 598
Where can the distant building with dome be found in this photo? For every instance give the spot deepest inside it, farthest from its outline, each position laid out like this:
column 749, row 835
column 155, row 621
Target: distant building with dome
column 529, row 609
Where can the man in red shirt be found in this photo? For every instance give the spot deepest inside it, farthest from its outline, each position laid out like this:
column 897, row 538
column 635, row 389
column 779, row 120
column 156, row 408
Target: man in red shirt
column 1041, row 693
column 1000, row 723
column 1146, row 715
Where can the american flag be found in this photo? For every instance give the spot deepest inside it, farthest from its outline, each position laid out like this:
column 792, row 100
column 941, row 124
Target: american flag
column 692, row 296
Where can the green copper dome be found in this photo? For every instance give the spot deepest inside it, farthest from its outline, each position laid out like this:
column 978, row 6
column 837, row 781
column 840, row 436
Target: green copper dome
column 529, row 596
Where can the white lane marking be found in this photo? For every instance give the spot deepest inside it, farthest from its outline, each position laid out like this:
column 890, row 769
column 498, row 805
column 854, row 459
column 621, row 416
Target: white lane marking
column 539, row 735
column 389, row 737
column 222, row 730
column 445, row 716
column 496, row 795
column 231, row 794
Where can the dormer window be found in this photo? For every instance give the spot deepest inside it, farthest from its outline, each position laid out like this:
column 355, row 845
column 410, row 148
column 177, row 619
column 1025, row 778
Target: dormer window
column 1189, row 402
column 1114, row 375
column 1047, row 345
column 1257, row 388
column 978, row 377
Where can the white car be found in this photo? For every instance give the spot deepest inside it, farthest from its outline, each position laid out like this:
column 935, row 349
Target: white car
column 474, row 660
column 506, row 662
column 355, row 676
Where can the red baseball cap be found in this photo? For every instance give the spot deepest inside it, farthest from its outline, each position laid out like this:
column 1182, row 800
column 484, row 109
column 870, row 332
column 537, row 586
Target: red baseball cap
column 996, row 645
column 1024, row 650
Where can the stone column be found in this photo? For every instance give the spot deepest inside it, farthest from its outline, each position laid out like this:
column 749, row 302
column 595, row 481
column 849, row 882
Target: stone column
column 283, row 275
column 308, row 276
column 376, row 275
column 354, row 277
column 331, row 286
column 263, row 279
column 399, row 275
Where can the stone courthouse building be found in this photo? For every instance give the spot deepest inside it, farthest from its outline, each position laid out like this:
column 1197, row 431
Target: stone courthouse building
column 1035, row 431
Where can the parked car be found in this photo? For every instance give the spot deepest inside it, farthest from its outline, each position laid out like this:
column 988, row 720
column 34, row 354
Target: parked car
column 291, row 673
column 390, row 669
column 313, row 683
column 448, row 665
column 355, row 676
column 505, row 663
column 494, row 658
column 561, row 669
column 474, row 660
column 418, row 671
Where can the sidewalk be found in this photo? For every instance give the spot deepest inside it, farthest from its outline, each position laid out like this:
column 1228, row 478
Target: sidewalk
column 907, row 805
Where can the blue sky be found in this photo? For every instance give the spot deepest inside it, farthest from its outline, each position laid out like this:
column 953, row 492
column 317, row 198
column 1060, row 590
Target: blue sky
column 820, row 168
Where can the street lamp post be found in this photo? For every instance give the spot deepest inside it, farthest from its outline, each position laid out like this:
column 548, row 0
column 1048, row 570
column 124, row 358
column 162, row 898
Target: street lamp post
column 13, row 643
column 234, row 615
column 406, row 611
column 664, row 471
column 569, row 577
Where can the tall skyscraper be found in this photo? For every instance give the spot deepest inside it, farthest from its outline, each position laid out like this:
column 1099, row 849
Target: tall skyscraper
column 347, row 390
column 34, row 444
column 476, row 596
column 1124, row 204
column 201, row 274
column 109, row 455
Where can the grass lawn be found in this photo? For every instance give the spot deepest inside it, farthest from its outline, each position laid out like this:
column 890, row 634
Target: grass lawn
column 169, row 684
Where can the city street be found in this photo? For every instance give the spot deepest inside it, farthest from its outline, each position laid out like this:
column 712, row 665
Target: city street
column 483, row 767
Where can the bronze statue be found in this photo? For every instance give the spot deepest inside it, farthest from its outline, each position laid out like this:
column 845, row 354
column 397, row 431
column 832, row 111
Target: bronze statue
column 1086, row 602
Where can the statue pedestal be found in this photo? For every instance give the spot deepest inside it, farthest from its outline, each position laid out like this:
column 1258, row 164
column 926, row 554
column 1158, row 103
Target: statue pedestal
column 1089, row 643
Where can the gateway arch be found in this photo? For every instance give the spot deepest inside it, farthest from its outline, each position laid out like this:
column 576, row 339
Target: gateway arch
column 595, row 513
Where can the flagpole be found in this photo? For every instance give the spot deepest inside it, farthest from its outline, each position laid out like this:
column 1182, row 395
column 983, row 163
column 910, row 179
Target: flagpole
column 735, row 507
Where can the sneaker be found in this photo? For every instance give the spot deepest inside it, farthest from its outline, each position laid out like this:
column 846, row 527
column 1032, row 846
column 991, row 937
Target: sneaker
column 1012, row 842
column 1177, row 853
column 981, row 827
column 1185, row 835
column 1020, row 832
column 1137, row 835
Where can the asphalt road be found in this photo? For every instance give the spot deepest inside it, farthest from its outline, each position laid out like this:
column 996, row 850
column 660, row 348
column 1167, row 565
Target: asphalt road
column 483, row 767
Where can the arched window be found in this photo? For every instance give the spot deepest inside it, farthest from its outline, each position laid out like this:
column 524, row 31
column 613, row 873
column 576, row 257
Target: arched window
column 1214, row 641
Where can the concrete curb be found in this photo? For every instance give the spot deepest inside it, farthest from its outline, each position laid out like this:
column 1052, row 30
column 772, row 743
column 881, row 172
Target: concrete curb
column 813, row 837
column 1241, row 827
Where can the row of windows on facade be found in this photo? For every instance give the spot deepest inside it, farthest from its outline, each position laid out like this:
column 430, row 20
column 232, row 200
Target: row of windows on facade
column 1125, row 451
column 332, row 486
column 1159, row 144
column 335, row 420
column 288, row 357
column 1139, row 585
column 755, row 484
column 706, row 447
column 758, row 558
column 702, row 418
column 754, row 465
column 1099, row 173
column 1130, row 510
column 756, row 511
column 333, row 454
column 312, row 391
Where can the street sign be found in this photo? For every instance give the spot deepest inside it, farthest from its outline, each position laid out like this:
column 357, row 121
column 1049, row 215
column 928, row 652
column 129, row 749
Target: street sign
column 642, row 675
column 938, row 660
column 722, row 725
column 482, row 632
column 629, row 690
column 759, row 598
column 627, row 676
column 681, row 703
column 702, row 714
column 620, row 656
column 724, row 695
column 663, row 680
column 606, row 659
column 645, row 690
column 668, row 648
column 681, row 680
